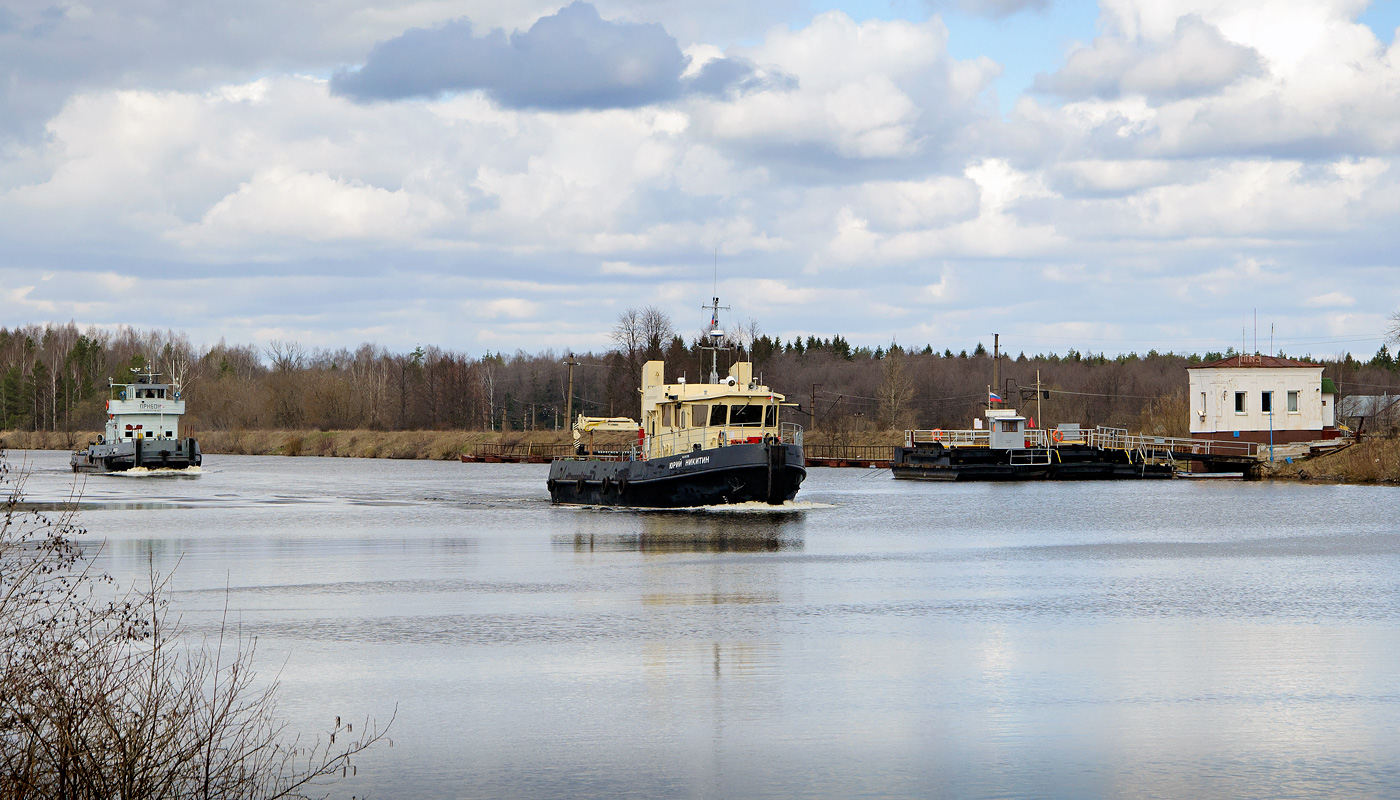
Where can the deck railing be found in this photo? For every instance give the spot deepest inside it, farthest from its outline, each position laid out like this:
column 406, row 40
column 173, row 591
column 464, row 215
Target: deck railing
column 1101, row 437
column 849, row 452
column 517, row 451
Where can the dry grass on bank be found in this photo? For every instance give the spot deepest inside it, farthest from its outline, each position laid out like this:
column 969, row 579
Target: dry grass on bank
column 1369, row 461
column 440, row 445
column 435, row 445
column 45, row 440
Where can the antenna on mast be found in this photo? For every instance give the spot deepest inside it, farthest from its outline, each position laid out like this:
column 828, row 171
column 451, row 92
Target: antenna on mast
column 715, row 333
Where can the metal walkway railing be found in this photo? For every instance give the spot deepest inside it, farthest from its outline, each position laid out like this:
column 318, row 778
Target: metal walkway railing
column 1101, row 437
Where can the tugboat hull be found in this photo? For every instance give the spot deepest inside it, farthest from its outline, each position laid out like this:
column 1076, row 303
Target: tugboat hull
column 765, row 472
column 129, row 454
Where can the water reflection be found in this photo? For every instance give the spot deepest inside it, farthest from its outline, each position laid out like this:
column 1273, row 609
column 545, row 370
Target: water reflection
column 1170, row 639
column 98, row 505
column 663, row 660
column 684, row 532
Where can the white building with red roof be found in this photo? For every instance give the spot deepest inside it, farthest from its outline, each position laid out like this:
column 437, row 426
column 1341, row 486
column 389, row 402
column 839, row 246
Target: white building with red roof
column 1264, row 399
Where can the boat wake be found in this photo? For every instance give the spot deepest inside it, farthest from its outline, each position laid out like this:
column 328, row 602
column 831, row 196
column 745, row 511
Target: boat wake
column 146, row 472
column 754, row 507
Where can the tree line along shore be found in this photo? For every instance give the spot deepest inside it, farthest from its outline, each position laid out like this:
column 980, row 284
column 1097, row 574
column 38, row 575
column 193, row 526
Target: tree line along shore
column 436, row 403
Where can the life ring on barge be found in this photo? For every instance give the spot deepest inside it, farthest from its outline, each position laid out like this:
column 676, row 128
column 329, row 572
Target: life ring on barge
column 938, row 434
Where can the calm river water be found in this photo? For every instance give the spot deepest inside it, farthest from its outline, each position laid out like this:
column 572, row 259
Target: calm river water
column 884, row 639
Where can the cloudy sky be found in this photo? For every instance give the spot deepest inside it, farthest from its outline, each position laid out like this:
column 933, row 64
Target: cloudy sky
column 486, row 175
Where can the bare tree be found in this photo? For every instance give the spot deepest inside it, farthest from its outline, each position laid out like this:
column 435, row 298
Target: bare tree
column 1392, row 331
column 285, row 356
column 896, row 390
column 640, row 336
column 627, row 333
column 657, row 332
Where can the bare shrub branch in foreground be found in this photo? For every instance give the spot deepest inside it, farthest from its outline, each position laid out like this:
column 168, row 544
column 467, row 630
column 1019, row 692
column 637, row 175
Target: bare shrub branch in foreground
column 102, row 695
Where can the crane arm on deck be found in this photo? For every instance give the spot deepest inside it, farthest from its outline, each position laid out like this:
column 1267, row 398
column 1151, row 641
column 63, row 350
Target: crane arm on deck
column 591, row 424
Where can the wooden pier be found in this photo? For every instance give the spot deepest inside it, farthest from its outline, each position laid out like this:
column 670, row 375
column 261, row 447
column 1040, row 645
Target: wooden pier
column 849, row 455
column 517, row 453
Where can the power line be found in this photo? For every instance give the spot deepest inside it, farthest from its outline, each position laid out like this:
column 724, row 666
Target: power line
column 1175, row 339
column 1371, row 385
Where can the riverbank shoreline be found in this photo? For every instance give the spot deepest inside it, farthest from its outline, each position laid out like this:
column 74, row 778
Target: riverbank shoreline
column 1371, row 461
column 420, row 445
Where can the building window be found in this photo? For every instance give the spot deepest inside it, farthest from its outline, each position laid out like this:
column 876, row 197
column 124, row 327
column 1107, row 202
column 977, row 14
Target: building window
column 1293, row 402
column 1239, row 402
column 1266, row 402
column 1203, row 404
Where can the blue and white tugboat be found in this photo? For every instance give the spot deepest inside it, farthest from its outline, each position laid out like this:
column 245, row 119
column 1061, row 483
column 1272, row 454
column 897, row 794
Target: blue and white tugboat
column 143, row 430
column 697, row 445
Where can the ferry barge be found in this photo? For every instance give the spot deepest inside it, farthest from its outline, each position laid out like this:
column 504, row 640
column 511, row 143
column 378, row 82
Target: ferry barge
column 1006, row 450
column 697, row 445
column 143, row 430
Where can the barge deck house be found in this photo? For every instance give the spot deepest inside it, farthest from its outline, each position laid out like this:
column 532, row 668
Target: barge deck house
column 143, row 430
column 697, row 445
column 1266, row 400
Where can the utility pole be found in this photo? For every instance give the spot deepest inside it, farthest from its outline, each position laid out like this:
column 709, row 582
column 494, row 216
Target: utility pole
column 814, row 405
column 996, row 361
column 569, row 404
column 1039, row 393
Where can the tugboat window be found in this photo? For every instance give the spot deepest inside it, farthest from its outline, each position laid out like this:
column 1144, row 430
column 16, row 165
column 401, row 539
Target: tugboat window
column 746, row 415
column 665, row 416
column 698, row 415
column 717, row 414
column 770, row 417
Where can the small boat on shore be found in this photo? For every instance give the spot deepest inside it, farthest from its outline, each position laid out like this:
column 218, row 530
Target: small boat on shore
column 142, row 431
column 699, row 444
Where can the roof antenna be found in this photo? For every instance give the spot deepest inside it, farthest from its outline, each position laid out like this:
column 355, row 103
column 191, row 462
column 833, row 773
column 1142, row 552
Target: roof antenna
column 715, row 293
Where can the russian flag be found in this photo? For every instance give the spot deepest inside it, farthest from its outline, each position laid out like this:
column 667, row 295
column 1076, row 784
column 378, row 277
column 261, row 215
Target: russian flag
column 994, row 397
